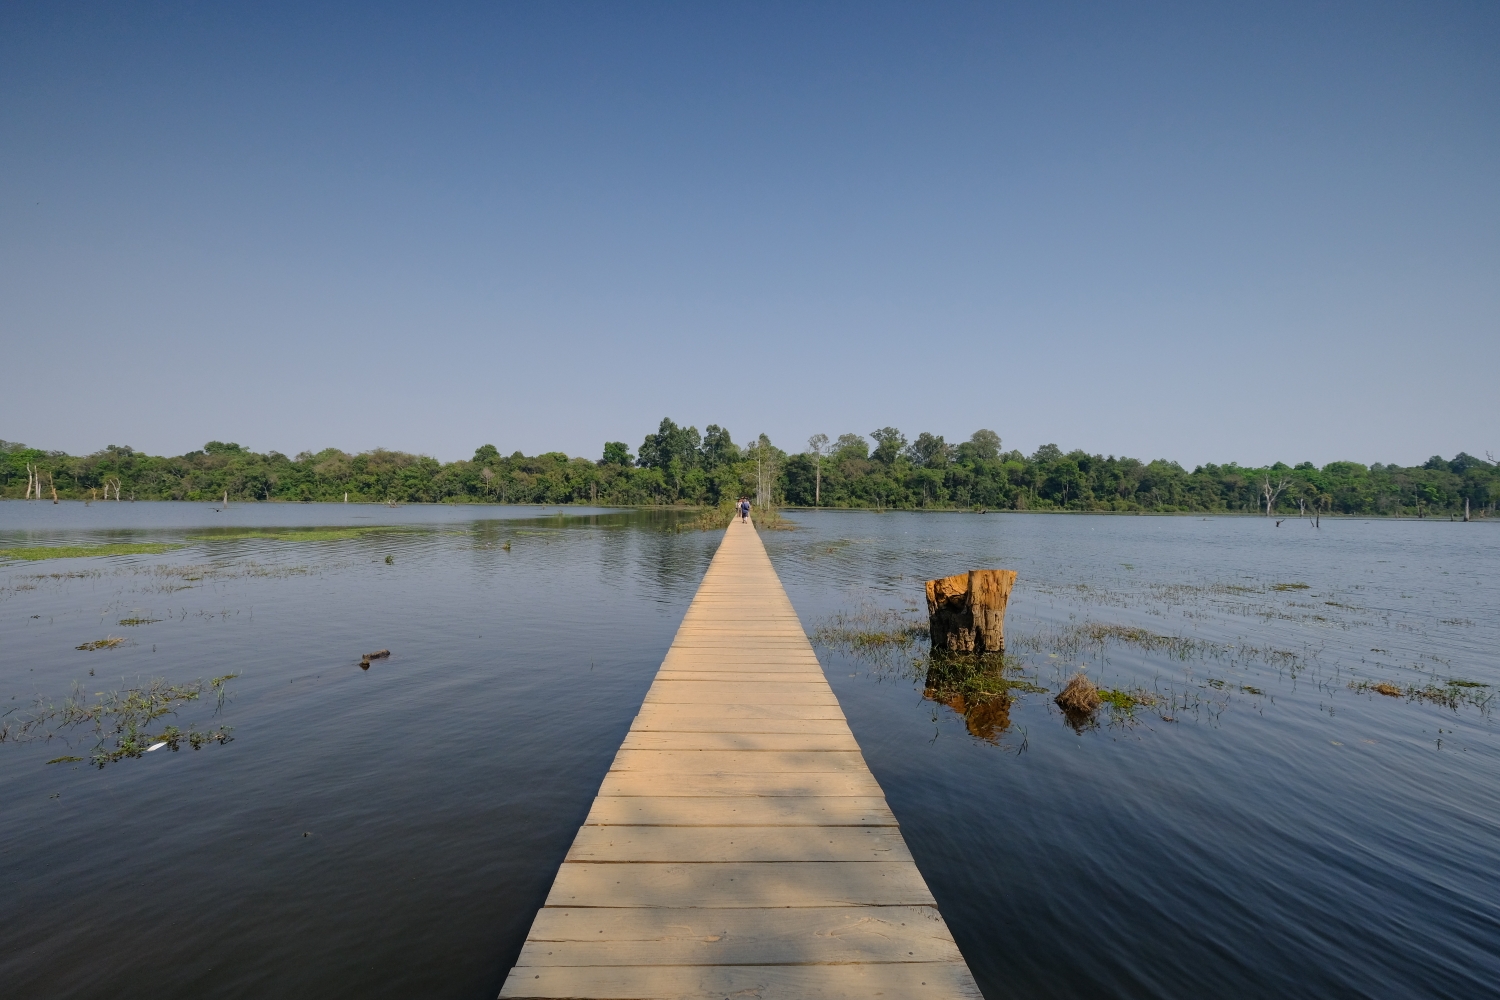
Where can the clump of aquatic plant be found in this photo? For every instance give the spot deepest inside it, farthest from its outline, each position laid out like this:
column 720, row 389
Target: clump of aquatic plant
column 139, row 620
column 122, row 723
column 108, row 642
column 1079, row 699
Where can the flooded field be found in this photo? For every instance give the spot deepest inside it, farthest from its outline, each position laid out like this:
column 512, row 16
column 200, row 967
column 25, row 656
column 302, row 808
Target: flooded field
column 1290, row 784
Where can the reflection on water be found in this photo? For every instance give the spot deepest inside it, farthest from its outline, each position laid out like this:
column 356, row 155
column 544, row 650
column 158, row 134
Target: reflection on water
column 978, row 689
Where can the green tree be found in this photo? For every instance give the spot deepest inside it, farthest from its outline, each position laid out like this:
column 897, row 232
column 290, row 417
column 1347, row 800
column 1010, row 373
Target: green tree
column 889, row 443
column 717, row 448
column 929, row 451
column 616, row 453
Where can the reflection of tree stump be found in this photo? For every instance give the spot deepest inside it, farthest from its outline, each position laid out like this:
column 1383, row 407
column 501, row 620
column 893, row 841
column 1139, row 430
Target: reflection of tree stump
column 966, row 611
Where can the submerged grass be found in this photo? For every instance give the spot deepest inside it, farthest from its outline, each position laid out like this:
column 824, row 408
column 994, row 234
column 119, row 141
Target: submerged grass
column 869, row 629
column 34, row 552
column 120, row 721
column 1069, row 641
column 1454, row 693
column 311, row 534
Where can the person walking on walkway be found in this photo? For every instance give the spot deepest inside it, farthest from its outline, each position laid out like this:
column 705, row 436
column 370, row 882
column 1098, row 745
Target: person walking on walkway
column 744, row 509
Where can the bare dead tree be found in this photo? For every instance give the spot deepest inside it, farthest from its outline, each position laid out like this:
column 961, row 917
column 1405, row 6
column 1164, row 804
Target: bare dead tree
column 488, row 475
column 113, row 482
column 1271, row 492
column 817, row 444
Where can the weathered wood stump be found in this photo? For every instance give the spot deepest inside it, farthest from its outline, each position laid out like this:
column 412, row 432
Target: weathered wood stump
column 966, row 611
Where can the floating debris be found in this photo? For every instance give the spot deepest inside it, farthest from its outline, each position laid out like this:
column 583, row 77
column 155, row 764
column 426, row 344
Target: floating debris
column 110, row 642
column 379, row 654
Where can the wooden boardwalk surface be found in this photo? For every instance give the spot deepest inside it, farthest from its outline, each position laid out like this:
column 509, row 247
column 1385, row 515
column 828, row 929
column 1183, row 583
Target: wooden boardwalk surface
column 739, row 846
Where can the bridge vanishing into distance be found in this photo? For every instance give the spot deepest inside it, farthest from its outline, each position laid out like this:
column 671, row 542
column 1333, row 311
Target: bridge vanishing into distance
column 739, row 845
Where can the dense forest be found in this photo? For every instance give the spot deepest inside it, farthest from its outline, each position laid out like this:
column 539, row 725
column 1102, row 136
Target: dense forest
column 678, row 465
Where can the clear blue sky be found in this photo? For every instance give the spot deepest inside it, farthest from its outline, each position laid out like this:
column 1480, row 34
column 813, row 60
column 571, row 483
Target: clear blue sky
column 1205, row 232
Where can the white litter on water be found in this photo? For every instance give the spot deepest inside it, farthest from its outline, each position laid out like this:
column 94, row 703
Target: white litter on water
column 156, row 746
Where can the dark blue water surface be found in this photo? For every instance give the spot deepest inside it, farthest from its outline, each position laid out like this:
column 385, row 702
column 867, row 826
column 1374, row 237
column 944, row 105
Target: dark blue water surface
column 390, row 832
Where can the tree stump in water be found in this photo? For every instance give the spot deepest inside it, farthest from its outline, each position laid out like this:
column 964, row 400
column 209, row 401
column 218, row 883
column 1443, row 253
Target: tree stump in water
column 966, row 611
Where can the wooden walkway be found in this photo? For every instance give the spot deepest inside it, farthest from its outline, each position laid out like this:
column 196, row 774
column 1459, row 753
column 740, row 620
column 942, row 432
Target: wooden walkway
column 740, row 846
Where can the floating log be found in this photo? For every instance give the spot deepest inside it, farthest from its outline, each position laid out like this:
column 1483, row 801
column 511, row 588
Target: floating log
column 966, row 611
column 379, row 654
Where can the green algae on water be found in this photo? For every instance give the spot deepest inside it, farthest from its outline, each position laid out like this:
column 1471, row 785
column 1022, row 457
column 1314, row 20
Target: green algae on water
column 36, row 552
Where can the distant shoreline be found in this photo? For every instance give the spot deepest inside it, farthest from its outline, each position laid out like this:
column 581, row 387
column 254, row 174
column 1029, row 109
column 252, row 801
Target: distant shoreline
column 1478, row 516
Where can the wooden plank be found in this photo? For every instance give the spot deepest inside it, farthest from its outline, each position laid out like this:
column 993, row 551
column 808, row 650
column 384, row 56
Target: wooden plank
column 739, row 761
column 800, row 676
column 718, row 715
column 648, row 740
column 735, row 884
column 647, row 936
column 696, row 844
column 750, row 664
column 665, row 723
column 718, row 693
column 740, row 810
column 805, row 783
column 854, row 981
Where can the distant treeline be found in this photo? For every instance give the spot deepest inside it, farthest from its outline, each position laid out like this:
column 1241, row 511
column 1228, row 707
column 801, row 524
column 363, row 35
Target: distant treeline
column 678, row 465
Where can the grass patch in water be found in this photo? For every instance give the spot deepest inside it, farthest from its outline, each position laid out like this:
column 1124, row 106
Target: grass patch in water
column 109, row 642
column 1290, row 586
column 1124, row 701
column 119, row 720
column 718, row 518
column 1454, row 693
column 34, row 552
column 301, row 534
column 1069, row 641
column 869, row 629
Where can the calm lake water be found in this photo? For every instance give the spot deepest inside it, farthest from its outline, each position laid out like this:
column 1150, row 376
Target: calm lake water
column 1269, row 826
